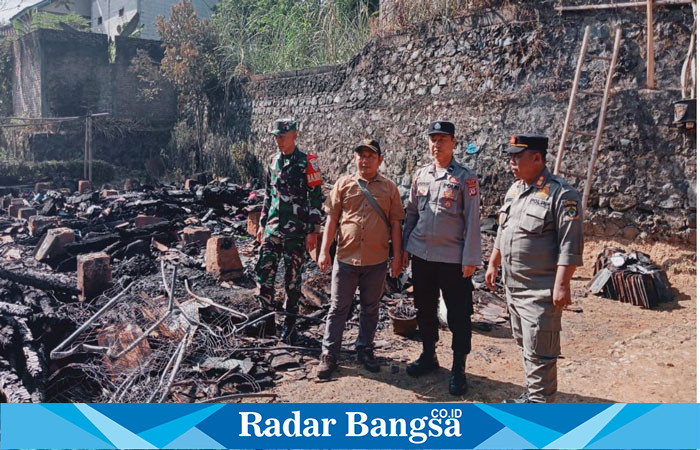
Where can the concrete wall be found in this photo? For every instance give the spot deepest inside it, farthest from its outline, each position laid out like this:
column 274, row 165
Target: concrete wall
column 65, row 74
column 59, row 74
column 494, row 74
column 75, row 73
column 127, row 101
column 26, row 77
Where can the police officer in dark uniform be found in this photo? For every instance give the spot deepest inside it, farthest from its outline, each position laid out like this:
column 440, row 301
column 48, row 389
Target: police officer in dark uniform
column 539, row 243
column 442, row 236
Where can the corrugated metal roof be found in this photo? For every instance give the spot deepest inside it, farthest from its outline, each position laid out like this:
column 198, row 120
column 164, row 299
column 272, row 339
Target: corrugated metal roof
column 10, row 8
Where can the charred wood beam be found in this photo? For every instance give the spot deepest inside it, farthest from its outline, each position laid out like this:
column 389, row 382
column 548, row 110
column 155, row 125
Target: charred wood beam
column 38, row 282
column 91, row 245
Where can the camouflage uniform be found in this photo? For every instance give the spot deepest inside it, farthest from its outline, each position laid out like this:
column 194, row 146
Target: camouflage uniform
column 291, row 210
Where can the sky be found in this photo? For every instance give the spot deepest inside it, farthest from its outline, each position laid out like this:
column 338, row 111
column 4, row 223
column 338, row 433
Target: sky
column 9, row 8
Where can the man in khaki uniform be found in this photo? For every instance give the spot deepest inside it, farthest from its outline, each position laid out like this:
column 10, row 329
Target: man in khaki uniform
column 366, row 211
column 540, row 243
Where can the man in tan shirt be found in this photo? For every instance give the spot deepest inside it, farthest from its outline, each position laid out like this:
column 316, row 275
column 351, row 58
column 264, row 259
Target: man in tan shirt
column 362, row 254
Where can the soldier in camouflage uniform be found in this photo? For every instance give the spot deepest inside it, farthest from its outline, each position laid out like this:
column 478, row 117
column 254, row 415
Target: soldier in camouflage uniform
column 290, row 220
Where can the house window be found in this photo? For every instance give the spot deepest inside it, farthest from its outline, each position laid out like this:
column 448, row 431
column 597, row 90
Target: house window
column 99, row 21
column 121, row 12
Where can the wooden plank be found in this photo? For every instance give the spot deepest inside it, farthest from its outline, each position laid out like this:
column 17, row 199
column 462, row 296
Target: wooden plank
column 650, row 44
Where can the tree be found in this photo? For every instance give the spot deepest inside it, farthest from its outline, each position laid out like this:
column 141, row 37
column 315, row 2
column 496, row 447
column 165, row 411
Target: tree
column 35, row 20
column 189, row 64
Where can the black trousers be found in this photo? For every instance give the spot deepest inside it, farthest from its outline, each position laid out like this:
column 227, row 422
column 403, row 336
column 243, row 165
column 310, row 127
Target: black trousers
column 429, row 278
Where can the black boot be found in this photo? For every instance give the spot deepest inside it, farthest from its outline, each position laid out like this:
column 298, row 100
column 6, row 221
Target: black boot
column 426, row 362
column 458, row 380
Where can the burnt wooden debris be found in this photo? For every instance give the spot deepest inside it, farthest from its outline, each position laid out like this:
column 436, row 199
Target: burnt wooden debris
column 115, row 296
column 630, row 278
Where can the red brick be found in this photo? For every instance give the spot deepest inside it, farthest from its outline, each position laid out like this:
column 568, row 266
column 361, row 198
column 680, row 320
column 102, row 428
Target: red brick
column 222, row 258
column 39, row 222
column 253, row 223
column 41, row 187
column 94, row 274
column 26, row 213
column 84, row 186
column 109, row 193
column 51, row 245
column 13, row 210
column 195, row 235
column 142, row 220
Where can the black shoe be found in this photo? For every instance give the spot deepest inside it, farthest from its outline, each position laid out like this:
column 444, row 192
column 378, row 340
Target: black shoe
column 426, row 363
column 524, row 398
column 289, row 332
column 458, row 380
column 365, row 356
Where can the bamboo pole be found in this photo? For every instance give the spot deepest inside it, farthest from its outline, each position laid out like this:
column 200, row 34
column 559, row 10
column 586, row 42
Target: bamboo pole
column 650, row 44
column 572, row 99
column 622, row 5
column 85, row 151
column 90, row 150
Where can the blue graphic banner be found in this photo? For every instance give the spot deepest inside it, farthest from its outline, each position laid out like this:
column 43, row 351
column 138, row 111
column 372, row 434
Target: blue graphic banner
column 347, row 425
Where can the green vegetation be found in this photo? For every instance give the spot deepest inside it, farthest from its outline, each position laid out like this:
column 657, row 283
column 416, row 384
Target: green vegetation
column 36, row 20
column 204, row 58
column 273, row 35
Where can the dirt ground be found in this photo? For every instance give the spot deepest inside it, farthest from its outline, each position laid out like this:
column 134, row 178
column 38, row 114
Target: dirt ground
column 611, row 351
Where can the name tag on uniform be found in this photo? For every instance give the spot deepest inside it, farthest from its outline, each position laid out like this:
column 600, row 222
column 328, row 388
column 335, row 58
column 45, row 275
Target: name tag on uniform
column 541, row 202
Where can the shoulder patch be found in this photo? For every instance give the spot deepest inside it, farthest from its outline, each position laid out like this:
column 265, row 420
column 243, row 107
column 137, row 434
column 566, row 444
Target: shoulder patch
column 571, row 210
column 313, row 174
column 472, row 186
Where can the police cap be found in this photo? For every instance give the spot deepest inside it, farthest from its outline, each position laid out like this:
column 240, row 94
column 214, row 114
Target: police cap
column 442, row 127
column 521, row 142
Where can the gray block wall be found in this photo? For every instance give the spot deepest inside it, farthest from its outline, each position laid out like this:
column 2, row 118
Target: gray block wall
column 497, row 73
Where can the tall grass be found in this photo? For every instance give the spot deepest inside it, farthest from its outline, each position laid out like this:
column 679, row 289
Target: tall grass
column 268, row 36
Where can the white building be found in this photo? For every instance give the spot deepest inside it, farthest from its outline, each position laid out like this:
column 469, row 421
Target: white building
column 107, row 15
